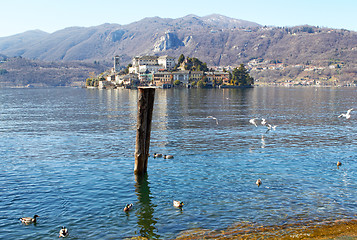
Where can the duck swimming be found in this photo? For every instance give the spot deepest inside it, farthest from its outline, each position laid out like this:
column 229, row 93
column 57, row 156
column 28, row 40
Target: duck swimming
column 156, row 155
column 339, row 164
column 63, row 232
column 28, row 220
column 128, row 207
column 168, row 156
column 258, row 182
column 177, row 204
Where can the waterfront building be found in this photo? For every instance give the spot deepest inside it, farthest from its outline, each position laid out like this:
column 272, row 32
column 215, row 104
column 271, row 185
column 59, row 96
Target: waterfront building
column 217, row 77
column 146, row 78
column 163, row 78
column 182, row 76
column 196, row 75
column 130, row 80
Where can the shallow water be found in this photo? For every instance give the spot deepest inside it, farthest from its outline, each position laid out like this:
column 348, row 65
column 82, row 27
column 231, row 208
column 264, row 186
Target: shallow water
column 67, row 155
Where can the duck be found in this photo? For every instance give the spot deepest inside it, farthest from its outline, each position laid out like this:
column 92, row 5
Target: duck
column 177, row 204
column 339, row 164
column 156, row 155
column 258, row 182
column 28, row 220
column 128, row 207
column 168, row 156
column 63, row 232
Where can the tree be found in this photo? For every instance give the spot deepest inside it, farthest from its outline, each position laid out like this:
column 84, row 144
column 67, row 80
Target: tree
column 181, row 59
column 200, row 84
column 89, row 82
column 177, row 82
column 241, row 77
column 127, row 68
column 194, row 64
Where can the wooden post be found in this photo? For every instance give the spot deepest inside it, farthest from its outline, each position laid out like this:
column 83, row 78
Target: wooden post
column 145, row 108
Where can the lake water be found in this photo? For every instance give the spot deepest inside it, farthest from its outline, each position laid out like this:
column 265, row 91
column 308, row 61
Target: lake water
column 67, row 155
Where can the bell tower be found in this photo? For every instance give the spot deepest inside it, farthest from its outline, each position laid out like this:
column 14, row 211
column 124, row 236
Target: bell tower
column 116, row 63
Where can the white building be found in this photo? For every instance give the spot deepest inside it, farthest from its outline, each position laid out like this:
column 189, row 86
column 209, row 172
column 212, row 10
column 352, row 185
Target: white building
column 152, row 64
column 182, row 76
column 167, row 62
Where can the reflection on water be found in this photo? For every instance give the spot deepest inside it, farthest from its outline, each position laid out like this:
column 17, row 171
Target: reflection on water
column 144, row 208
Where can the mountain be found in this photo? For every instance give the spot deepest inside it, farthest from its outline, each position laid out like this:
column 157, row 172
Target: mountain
column 17, row 44
column 105, row 41
column 21, row 72
column 215, row 39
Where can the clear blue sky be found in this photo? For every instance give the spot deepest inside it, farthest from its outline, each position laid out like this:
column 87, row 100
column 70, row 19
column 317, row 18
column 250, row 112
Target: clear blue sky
column 18, row 16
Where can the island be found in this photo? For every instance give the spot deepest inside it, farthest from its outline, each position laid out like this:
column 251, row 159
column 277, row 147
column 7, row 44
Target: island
column 165, row 72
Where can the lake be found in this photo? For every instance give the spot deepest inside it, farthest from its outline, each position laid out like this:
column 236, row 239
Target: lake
column 67, row 155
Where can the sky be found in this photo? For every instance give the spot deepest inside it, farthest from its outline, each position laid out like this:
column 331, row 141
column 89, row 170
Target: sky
column 18, row 16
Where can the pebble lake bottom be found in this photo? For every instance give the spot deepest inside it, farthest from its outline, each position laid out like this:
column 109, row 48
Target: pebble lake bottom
column 67, row 155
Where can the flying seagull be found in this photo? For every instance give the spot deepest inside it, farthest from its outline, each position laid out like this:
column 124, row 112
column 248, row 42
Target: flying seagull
column 213, row 118
column 252, row 121
column 263, row 122
column 347, row 114
column 271, row 127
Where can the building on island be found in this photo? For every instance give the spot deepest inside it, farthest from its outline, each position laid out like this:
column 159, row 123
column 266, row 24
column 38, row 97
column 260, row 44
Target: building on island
column 152, row 64
column 163, row 79
column 167, row 62
column 160, row 71
column 218, row 77
column 116, row 64
column 196, row 75
column 182, row 76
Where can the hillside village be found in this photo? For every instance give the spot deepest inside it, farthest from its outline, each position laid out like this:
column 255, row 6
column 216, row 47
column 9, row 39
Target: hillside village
column 165, row 72
column 332, row 73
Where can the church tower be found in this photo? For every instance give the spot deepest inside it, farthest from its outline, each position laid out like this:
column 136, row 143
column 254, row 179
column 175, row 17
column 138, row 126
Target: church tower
column 116, row 63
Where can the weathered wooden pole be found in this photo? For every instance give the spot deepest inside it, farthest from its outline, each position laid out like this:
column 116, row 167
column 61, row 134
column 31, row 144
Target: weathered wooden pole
column 143, row 128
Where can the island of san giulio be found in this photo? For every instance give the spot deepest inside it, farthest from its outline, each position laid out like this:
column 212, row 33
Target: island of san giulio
column 166, row 72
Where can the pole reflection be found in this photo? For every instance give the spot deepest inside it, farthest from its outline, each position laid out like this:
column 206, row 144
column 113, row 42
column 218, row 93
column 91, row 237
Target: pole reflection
column 145, row 209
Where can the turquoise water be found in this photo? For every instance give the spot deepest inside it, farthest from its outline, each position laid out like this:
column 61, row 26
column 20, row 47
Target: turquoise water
column 67, row 156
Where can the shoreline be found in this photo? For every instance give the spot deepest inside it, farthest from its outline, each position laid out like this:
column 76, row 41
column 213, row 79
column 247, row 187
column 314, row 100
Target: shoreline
column 338, row 229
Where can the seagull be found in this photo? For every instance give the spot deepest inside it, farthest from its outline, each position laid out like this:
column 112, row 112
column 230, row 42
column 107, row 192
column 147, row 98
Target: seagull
column 252, row 121
column 263, row 122
column 271, row 127
column 347, row 114
column 213, row 118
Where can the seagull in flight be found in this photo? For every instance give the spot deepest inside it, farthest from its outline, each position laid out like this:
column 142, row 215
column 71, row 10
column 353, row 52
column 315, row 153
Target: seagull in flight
column 213, row 118
column 263, row 122
column 347, row 115
column 271, row 127
column 252, row 121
